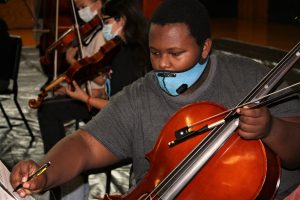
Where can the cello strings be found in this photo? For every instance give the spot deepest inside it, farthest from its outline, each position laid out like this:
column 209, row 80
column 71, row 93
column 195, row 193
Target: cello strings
column 273, row 77
column 263, row 85
column 275, row 74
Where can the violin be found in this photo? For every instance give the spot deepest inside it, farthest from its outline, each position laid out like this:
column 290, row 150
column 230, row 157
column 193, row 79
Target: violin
column 214, row 165
column 83, row 70
column 68, row 38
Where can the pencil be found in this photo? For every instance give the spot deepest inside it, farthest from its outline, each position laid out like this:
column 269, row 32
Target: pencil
column 38, row 172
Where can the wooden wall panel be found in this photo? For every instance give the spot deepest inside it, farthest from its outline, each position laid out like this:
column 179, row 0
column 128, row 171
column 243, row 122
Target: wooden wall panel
column 16, row 14
column 255, row 10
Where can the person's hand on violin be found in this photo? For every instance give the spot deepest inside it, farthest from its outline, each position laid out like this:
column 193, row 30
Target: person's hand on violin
column 60, row 90
column 76, row 93
column 254, row 123
column 20, row 174
column 71, row 55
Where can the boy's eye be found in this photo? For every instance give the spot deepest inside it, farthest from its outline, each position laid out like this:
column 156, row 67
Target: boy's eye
column 175, row 53
column 154, row 53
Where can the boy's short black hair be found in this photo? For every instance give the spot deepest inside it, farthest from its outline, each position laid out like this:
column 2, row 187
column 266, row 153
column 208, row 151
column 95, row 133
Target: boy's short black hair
column 190, row 12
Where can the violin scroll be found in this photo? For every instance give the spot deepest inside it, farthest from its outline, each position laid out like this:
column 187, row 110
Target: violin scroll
column 36, row 103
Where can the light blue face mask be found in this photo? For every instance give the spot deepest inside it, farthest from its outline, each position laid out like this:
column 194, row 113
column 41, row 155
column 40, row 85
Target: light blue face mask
column 175, row 83
column 107, row 32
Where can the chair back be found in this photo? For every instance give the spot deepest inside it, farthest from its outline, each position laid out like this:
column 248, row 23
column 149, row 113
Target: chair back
column 16, row 44
column 10, row 53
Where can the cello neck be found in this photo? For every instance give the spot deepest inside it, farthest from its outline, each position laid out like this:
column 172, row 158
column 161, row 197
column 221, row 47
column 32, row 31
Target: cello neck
column 275, row 75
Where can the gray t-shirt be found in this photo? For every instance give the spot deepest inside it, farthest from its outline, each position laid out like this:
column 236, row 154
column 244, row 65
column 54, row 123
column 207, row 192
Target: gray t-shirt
column 130, row 124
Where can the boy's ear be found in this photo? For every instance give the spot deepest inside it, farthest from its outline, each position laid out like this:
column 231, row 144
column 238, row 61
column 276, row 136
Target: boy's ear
column 206, row 48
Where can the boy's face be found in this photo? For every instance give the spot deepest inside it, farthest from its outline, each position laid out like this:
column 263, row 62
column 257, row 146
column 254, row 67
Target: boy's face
column 172, row 47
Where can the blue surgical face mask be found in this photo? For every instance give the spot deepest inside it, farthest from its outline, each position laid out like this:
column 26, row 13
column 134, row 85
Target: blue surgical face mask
column 107, row 31
column 175, row 83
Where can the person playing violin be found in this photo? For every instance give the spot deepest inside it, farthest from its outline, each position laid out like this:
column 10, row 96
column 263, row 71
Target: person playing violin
column 126, row 21
column 87, row 10
column 180, row 46
column 66, row 106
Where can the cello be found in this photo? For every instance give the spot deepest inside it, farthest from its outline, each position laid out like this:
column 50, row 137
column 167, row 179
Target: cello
column 214, row 165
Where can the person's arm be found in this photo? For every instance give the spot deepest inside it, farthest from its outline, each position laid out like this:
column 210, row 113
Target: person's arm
column 96, row 102
column 295, row 195
column 80, row 95
column 70, row 156
column 70, row 55
column 284, row 139
column 282, row 135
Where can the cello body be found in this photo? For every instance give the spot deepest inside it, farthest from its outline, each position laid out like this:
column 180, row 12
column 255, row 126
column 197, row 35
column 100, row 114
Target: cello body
column 240, row 169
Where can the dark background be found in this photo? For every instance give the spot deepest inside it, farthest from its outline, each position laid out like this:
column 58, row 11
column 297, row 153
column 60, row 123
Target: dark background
column 279, row 11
